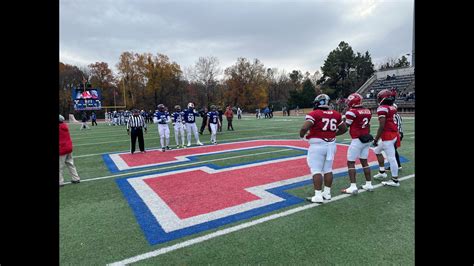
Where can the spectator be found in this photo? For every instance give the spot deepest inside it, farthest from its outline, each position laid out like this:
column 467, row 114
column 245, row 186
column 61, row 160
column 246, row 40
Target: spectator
column 84, row 121
column 94, row 119
column 239, row 113
column 266, row 111
column 65, row 153
column 229, row 115
column 221, row 113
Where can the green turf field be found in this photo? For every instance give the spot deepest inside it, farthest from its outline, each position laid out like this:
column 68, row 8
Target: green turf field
column 98, row 227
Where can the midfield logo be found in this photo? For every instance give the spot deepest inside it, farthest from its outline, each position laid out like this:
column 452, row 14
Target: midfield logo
column 175, row 203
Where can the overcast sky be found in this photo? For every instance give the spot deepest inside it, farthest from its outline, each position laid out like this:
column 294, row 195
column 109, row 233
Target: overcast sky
column 284, row 34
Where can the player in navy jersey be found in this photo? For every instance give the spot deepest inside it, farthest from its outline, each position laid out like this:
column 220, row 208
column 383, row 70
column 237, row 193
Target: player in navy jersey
column 178, row 124
column 213, row 123
column 190, row 118
column 162, row 118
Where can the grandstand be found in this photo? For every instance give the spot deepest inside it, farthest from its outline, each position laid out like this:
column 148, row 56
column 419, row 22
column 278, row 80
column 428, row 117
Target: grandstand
column 403, row 79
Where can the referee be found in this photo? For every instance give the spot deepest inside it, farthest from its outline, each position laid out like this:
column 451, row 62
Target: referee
column 135, row 124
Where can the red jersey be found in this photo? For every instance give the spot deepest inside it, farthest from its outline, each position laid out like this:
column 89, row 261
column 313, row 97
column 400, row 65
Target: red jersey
column 390, row 131
column 65, row 142
column 359, row 121
column 325, row 123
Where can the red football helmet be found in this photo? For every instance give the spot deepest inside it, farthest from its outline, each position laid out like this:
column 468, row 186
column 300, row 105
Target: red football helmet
column 354, row 100
column 386, row 95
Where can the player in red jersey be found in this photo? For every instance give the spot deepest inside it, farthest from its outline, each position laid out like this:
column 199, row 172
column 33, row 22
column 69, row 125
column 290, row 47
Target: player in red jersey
column 358, row 119
column 387, row 137
column 323, row 125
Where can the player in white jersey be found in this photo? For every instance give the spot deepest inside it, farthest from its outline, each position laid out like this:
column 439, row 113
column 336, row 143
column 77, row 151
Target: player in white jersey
column 190, row 118
column 178, row 124
column 162, row 118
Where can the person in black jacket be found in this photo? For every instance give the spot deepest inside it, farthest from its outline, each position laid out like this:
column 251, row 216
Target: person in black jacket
column 219, row 129
column 84, row 121
column 203, row 114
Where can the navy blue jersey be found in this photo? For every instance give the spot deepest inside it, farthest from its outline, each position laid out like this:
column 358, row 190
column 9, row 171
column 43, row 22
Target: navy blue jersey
column 213, row 116
column 190, row 116
column 163, row 117
column 178, row 117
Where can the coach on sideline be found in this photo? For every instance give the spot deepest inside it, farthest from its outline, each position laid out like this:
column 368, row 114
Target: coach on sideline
column 136, row 123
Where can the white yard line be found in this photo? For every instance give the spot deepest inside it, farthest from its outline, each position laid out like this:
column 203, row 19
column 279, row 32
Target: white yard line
column 180, row 165
column 224, row 141
column 232, row 229
column 171, row 134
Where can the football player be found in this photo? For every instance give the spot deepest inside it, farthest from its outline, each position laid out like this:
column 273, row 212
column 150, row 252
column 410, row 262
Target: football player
column 162, row 117
column 323, row 125
column 178, row 124
column 387, row 137
column 190, row 119
column 358, row 120
column 213, row 123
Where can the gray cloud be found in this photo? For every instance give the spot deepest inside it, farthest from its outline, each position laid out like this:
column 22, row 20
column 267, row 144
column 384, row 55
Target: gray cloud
column 283, row 34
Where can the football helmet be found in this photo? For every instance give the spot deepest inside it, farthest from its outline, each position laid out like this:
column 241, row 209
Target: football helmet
column 213, row 108
column 386, row 95
column 177, row 108
column 354, row 100
column 161, row 107
column 191, row 105
column 321, row 101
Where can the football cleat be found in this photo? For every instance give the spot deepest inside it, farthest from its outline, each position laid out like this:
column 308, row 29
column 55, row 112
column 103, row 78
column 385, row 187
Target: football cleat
column 199, row 143
column 315, row 199
column 367, row 187
column 391, row 183
column 380, row 176
column 189, row 144
column 327, row 196
column 350, row 190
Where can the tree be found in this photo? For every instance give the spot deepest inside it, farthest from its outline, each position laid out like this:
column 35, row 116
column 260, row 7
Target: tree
column 246, row 84
column 205, row 73
column 303, row 99
column 344, row 72
column 278, row 88
column 69, row 77
column 101, row 76
column 390, row 63
column 296, row 77
column 128, row 76
column 402, row 62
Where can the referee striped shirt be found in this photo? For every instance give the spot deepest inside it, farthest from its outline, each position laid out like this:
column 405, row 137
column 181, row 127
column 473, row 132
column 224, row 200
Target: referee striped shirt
column 136, row 121
column 398, row 120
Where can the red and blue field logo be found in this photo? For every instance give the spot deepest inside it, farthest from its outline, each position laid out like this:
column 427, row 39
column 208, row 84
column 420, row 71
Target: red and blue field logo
column 172, row 203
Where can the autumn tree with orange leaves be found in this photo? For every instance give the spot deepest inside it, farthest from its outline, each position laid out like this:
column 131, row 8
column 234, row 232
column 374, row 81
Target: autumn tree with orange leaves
column 247, row 84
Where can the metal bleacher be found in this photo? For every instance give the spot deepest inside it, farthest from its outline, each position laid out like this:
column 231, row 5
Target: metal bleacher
column 404, row 84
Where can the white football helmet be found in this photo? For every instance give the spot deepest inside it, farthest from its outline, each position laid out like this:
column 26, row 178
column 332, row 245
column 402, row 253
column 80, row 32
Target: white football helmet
column 190, row 105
